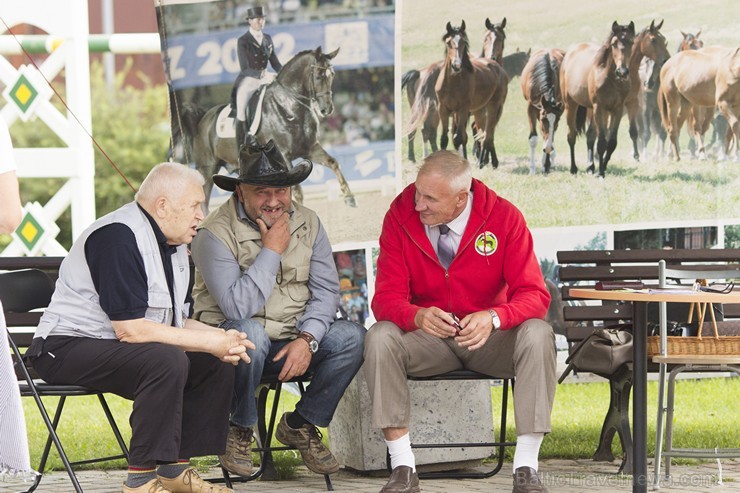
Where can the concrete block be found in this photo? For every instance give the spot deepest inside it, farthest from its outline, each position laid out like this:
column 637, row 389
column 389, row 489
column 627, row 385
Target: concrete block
column 443, row 411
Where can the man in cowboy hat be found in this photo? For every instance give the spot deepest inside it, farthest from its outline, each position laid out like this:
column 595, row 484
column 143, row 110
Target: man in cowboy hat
column 254, row 49
column 264, row 266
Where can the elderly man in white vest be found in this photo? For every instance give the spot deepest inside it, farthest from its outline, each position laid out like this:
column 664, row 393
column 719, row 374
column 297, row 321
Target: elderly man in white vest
column 264, row 266
column 119, row 322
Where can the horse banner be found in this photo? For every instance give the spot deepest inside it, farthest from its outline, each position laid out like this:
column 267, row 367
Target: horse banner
column 316, row 77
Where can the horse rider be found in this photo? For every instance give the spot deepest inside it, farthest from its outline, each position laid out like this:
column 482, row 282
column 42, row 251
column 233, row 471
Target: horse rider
column 254, row 49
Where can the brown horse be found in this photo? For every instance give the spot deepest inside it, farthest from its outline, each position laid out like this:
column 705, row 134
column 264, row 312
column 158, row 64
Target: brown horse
column 727, row 92
column 493, row 41
column 419, row 85
column 690, row 42
column 687, row 88
column 596, row 78
column 469, row 84
column 650, row 121
column 541, row 88
column 651, row 44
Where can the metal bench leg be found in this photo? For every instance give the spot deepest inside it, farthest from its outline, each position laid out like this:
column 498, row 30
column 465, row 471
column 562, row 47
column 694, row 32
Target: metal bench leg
column 617, row 421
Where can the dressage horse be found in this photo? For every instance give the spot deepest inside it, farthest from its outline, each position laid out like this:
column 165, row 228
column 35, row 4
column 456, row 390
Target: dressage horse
column 541, row 88
column 650, row 44
column 419, row 85
column 595, row 79
column 293, row 105
column 469, row 84
column 687, row 88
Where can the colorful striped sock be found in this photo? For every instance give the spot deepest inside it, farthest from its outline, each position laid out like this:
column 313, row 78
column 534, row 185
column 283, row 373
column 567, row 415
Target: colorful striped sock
column 140, row 475
column 172, row 470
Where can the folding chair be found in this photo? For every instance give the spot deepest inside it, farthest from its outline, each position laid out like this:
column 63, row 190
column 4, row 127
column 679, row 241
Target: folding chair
column 21, row 292
column 266, row 432
column 501, row 444
column 681, row 363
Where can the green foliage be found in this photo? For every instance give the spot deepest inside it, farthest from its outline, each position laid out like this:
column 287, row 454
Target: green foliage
column 131, row 125
column 732, row 236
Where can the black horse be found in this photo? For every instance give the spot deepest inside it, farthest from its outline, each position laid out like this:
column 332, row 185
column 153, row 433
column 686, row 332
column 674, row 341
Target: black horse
column 293, row 105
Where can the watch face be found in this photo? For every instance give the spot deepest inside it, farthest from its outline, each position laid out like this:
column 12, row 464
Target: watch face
column 313, row 346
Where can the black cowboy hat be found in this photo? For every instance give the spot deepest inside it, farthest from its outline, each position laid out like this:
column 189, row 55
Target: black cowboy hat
column 254, row 12
column 265, row 165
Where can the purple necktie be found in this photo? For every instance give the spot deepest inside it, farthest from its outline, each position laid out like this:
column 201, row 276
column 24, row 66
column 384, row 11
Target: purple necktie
column 445, row 249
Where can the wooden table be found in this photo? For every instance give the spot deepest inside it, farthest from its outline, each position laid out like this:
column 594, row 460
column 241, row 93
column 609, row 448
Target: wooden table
column 640, row 300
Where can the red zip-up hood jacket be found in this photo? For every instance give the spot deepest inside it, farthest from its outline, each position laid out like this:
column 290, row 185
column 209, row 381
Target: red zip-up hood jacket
column 495, row 266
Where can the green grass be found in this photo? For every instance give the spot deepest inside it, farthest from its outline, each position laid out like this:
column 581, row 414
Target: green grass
column 706, row 416
column 649, row 191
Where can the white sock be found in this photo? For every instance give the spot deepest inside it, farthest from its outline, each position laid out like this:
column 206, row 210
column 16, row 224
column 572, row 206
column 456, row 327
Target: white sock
column 527, row 450
column 401, row 453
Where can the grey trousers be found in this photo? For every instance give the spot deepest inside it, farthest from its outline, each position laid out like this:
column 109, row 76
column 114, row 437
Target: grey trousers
column 526, row 352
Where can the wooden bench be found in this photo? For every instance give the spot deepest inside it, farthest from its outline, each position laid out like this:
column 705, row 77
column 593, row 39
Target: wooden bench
column 583, row 269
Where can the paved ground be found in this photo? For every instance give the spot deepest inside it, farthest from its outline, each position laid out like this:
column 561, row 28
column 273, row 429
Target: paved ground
column 561, row 476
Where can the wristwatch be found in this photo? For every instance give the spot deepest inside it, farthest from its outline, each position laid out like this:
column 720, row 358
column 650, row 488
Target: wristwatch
column 313, row 345
column 495, row 320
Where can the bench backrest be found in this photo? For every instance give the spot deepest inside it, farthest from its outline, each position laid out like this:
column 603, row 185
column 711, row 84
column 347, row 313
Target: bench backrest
column 584, row 268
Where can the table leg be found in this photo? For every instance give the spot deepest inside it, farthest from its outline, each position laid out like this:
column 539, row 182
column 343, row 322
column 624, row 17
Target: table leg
column 639, row 397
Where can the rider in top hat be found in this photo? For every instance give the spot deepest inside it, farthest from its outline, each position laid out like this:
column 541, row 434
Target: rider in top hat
column 264, row 266
column 254, row 49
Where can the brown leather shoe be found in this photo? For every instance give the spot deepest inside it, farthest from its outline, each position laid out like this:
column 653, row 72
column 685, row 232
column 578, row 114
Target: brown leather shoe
column 526, row 481
column 190, row 482
column 403, row 480
column 153, row 486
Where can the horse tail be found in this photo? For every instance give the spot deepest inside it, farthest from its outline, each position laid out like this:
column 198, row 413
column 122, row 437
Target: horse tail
column 410, row 78
column 663, row 107
column 425, row 103
column 185, row 127
column 581, row 114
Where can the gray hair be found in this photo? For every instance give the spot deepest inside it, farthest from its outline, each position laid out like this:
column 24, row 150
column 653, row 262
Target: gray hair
column 168, row 180
column 451, row 166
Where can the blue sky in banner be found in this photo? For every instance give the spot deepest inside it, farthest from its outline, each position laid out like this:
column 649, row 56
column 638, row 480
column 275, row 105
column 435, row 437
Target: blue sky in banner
column 210, row 58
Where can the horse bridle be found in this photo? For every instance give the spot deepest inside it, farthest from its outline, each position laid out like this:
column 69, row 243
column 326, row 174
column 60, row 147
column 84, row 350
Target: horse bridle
column 311, row 102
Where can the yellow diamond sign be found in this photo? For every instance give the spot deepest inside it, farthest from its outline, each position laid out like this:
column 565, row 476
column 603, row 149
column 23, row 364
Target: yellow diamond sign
column 26, row 91
column 36, row 229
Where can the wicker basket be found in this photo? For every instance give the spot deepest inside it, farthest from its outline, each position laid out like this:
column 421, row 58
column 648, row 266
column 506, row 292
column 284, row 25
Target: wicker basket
column 721, row 345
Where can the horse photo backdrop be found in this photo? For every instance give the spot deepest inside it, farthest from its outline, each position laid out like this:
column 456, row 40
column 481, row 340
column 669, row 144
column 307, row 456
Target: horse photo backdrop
column 331, row 102
column 655, row 192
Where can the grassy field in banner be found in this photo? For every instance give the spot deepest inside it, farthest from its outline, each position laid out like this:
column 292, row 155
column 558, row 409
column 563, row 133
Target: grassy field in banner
column 653, row 190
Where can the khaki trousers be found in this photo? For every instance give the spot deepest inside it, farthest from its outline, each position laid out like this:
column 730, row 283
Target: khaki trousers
column 526, row 352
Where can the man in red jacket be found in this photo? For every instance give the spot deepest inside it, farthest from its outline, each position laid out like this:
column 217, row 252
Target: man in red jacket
column 452, row 250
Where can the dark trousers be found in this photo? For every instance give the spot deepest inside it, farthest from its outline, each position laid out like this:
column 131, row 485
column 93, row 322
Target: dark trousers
column 181, row 400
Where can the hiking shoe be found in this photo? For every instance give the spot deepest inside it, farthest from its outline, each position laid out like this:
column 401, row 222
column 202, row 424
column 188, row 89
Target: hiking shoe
column 237, row 458
column 190, row 482
column 307, row 439
column 153, row 486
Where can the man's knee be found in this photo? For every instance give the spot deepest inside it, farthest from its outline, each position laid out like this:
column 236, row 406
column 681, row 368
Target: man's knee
column 255, row 332
column 381, row 337
column 536, row 334
column 168, row 363
column 351, row 334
